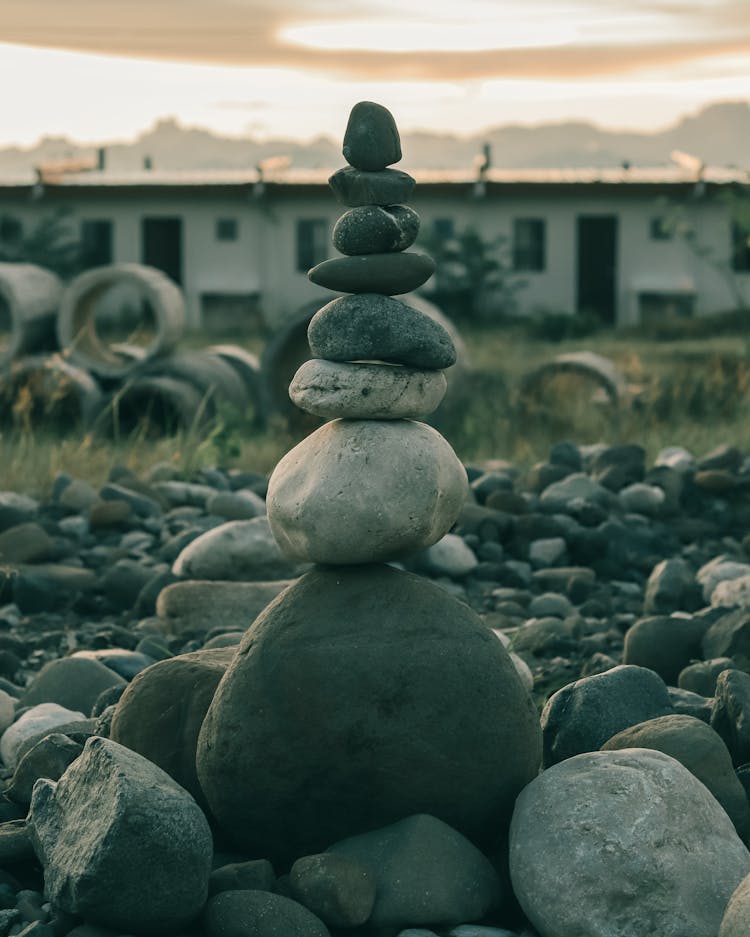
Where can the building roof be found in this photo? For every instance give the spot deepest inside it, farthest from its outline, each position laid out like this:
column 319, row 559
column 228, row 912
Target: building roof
column 209, row 178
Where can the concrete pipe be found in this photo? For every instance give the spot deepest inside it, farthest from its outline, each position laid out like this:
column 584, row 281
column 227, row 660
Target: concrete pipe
column 106, row 310
column 153, row 405
column 29, row 297
column 212, row 376
column 46, row 390
column 599, row 371
column 288, row 349
column 247, row 366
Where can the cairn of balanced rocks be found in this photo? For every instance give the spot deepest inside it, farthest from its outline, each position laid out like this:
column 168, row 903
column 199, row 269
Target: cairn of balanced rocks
column 364, row 694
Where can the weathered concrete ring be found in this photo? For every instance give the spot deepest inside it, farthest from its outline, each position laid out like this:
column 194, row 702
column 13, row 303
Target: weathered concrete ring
column 29, row 297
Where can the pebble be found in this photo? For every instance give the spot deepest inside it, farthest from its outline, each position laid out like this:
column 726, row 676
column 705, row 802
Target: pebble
column 390, row 274
column 373, row 229
column 370, row 326
column 38, row 719
column 371, row 139
column 335, row 390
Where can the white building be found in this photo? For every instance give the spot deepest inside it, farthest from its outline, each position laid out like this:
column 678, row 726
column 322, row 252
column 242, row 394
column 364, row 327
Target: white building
column 239, row 245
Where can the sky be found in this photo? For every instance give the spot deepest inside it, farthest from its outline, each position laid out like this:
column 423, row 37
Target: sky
column 106, row 70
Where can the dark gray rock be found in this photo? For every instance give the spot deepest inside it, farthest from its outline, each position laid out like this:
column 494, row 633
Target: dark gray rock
column 671, row 586
column 339, row 889
column 254, row 875
column 121, row 843
column 666, row 644
column 259, row 914
column 404, row 702
column 49, row 758
column 72, row 682
column 126, row 664
column 372, row 229
column 700, row 677
column 371, row 139
column 353, row 187
column 583, row 715
column 391, row 274
column 729, row 636
column 425, row 873
column 730, row 715
column 370, row 326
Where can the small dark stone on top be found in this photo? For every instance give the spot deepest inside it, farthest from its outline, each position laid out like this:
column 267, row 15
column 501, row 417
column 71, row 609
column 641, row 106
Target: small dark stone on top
column 371, row 140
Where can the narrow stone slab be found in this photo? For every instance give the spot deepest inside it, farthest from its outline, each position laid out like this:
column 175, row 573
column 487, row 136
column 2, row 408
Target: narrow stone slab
column 371, row 139
column 353, row 187
column 390, row 274
column 368, row 326
column 366, row 391
column 374, row 229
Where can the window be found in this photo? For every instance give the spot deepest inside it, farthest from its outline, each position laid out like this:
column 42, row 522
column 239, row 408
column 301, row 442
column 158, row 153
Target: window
column 528, row 244
column 11, row 229
column 96, row 243
column 659, row 229
column 226, row 229
column 740, row 248
column 444, row 229
column 312, row 242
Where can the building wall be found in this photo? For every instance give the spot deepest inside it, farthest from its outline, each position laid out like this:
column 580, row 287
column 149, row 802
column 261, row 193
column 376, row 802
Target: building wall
column 263, row 258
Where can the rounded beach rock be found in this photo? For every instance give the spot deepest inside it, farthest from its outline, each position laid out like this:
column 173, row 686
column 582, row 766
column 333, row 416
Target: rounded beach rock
column 626, row 843
column 370, row 326
column 361, row 491
column 334, row 389
column 360, row 696
column 376, row 229
column 371, row 139
column 354, row 188
column 736, row 920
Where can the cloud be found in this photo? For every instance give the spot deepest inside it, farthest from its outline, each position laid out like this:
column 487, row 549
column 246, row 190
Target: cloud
column 626, row 36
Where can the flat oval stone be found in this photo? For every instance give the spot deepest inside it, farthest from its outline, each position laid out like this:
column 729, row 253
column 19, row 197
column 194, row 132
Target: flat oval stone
column 372, row 229
column 369, row 326
column 371, row 140
column 362, row 491
column 389, row 274
column 353, row 187
column 366, row 391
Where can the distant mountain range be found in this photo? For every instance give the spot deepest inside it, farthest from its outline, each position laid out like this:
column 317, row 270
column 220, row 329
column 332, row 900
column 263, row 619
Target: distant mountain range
column 719, row 135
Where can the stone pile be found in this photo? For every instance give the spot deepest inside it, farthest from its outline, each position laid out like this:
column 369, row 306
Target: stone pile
column 363, row 758
column 376, row 694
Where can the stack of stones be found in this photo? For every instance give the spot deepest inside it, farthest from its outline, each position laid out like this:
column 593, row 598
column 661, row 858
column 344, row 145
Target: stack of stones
column 365, row 694
column 374, row 484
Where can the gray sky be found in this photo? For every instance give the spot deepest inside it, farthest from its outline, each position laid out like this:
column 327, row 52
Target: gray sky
column 97, row 69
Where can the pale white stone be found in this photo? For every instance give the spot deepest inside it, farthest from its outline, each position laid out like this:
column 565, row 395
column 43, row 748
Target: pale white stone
column 33, row 722
column 362, row 491
column 366, row 391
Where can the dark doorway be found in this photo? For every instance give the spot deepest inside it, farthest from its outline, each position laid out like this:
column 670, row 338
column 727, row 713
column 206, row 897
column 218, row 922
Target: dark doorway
column 597, row 266
column 162, row 245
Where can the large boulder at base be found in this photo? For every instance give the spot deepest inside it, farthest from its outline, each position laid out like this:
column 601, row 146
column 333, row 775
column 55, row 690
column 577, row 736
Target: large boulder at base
column 625, row 843
column 700, row 749
column 161, row 712
column 121, row 843
column 583, row 715
column 365, row 491
column 362, row 695
column 736, row 920
column 426, row 873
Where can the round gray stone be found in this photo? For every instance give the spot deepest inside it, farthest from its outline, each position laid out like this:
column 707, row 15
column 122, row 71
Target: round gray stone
column 626, row 843
column 370, row 326
column 366, row 391
column 361, row 491
column 373, row 229
column 390, row 274
column 371, row 139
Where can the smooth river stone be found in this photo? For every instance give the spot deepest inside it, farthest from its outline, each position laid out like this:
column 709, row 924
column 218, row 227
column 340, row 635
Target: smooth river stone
column 373, row 229
column 366, row 391
column 363, row 491
column 353, row 188
column 390, row 274
column 368, row 326
column 371, row 139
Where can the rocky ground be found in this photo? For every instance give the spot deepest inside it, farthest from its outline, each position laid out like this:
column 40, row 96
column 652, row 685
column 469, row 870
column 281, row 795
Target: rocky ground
column 621, row 589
